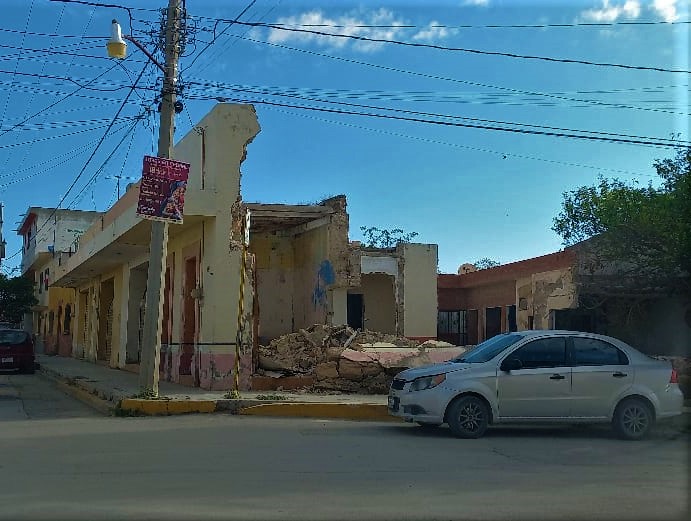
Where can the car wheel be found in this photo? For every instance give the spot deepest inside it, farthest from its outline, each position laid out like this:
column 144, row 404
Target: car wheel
column 468, row 417
column 633, row 419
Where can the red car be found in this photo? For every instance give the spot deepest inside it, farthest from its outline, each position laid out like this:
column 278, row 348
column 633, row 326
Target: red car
column 16, row 350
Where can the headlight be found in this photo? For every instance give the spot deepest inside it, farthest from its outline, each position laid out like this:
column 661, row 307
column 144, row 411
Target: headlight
column 427, row 382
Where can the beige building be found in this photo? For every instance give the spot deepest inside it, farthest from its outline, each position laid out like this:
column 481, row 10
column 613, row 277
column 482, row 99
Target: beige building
column 47, row 234
column 302, row 270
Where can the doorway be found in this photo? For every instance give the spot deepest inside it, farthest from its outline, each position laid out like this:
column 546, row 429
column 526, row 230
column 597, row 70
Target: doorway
column 356, row 310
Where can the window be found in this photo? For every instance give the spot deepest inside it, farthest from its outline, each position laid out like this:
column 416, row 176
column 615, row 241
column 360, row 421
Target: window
column 453, row 323
column 45, row 279
column 591, row 351
column 40, row 283
column 511, row 318
column 488, row 349
column 544, row 352
column 51, row 320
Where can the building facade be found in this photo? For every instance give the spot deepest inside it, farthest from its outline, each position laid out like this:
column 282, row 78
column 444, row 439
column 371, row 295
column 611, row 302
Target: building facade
column 299, row 269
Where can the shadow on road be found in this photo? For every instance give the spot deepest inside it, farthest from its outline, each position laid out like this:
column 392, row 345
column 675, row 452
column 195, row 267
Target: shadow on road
column 669, row 430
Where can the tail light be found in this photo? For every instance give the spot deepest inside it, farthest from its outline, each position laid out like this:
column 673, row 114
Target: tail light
column 673, row 377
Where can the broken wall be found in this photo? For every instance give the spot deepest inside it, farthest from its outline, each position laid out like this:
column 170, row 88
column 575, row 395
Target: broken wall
column 314, row 274
column 542, row 293
column 379, row 300
column 419, row 292
column 275, row 283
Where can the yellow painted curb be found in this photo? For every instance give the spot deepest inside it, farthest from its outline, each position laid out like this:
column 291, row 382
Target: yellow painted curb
column 343, row 411
column 163, row 407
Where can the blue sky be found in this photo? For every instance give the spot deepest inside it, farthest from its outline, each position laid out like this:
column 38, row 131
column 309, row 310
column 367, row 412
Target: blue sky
column 475, row 192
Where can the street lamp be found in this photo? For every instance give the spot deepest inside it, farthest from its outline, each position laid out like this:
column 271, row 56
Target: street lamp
column 151, row 341
column 117, row 47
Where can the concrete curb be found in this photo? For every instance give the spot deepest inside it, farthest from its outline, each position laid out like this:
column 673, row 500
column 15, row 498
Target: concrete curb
column 167, row 407
column 341, row 411
column 85, row 396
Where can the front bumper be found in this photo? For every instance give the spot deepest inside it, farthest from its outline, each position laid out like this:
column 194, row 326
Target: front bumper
column 426, row 406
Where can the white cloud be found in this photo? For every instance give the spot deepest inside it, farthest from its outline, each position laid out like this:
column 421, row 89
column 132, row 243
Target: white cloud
column 322, row 23
column 350, row 24
column 433, row 32
column 481, row 3
column 609, row 12
column 667, row 9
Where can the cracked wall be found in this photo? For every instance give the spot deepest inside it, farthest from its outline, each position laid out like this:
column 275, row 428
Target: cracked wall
column 541, row 293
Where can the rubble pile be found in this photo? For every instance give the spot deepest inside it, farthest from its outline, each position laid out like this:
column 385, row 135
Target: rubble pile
column 319, row 351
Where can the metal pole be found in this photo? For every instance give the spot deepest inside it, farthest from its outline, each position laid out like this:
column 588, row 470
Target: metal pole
column 239, row 338
column 151, row 340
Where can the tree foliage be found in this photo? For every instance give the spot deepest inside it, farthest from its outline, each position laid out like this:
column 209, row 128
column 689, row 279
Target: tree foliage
column 381, row 238
column 16, row 298
column 647, row 227
column 485, row 263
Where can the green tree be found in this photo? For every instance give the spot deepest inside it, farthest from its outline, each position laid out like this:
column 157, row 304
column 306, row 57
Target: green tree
column 381, row 238
column 647, row 229
column 485, row 263
column 16, row 298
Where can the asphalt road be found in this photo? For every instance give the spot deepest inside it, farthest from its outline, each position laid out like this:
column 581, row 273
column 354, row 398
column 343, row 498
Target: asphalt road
column 60, row 460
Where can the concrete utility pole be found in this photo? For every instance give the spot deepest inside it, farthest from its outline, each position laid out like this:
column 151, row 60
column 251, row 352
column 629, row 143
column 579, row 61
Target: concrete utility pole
column 151, row 340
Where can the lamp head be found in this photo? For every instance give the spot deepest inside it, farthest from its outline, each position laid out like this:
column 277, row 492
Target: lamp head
column 117, row 48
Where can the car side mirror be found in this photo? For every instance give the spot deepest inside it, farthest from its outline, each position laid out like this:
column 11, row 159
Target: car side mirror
column 511, row 364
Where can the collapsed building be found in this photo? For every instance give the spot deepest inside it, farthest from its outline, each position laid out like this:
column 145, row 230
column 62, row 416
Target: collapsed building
column 302, row 271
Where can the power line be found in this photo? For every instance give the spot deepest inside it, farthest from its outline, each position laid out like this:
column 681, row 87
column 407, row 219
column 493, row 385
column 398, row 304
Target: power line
column 659, row 143
column 67, row 157
column 228, row 43
column 52, row 138
column 417, row 96
column 247, row 8
column 67, row 154
column 16, row 65
column 93, row 153
column 479, row 26
column 49, row 35
column 448, row 79
column 462, row 49
column 76, row 199
column 458, row 145
column 68, row 79
column 436, row 115
column 52, row 125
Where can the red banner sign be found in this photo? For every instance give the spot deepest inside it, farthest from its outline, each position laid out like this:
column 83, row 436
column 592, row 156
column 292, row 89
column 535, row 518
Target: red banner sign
column 162, row 189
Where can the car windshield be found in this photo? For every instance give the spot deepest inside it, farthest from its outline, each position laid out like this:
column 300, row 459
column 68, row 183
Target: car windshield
column 12, row 337
column 489, row 348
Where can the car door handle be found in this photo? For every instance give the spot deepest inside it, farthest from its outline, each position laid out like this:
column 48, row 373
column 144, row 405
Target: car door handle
column 557, row 377
column 618, row 374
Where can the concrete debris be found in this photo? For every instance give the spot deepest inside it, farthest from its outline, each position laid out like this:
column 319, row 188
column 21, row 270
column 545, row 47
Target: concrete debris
column 342, row 359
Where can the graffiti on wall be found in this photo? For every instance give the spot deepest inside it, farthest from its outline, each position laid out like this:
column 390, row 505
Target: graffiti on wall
column 325, row 277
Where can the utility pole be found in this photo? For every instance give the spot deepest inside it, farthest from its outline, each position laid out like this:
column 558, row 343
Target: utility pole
column 151, row 341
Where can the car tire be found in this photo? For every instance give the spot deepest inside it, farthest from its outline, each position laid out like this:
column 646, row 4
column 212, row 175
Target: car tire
column 468, row 417
column 633, row 419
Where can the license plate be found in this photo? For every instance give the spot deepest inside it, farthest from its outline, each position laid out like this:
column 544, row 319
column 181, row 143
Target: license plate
column 393, row 403
column 7, row 360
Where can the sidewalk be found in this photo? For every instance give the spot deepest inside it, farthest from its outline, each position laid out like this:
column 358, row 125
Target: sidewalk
column 114, row 390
